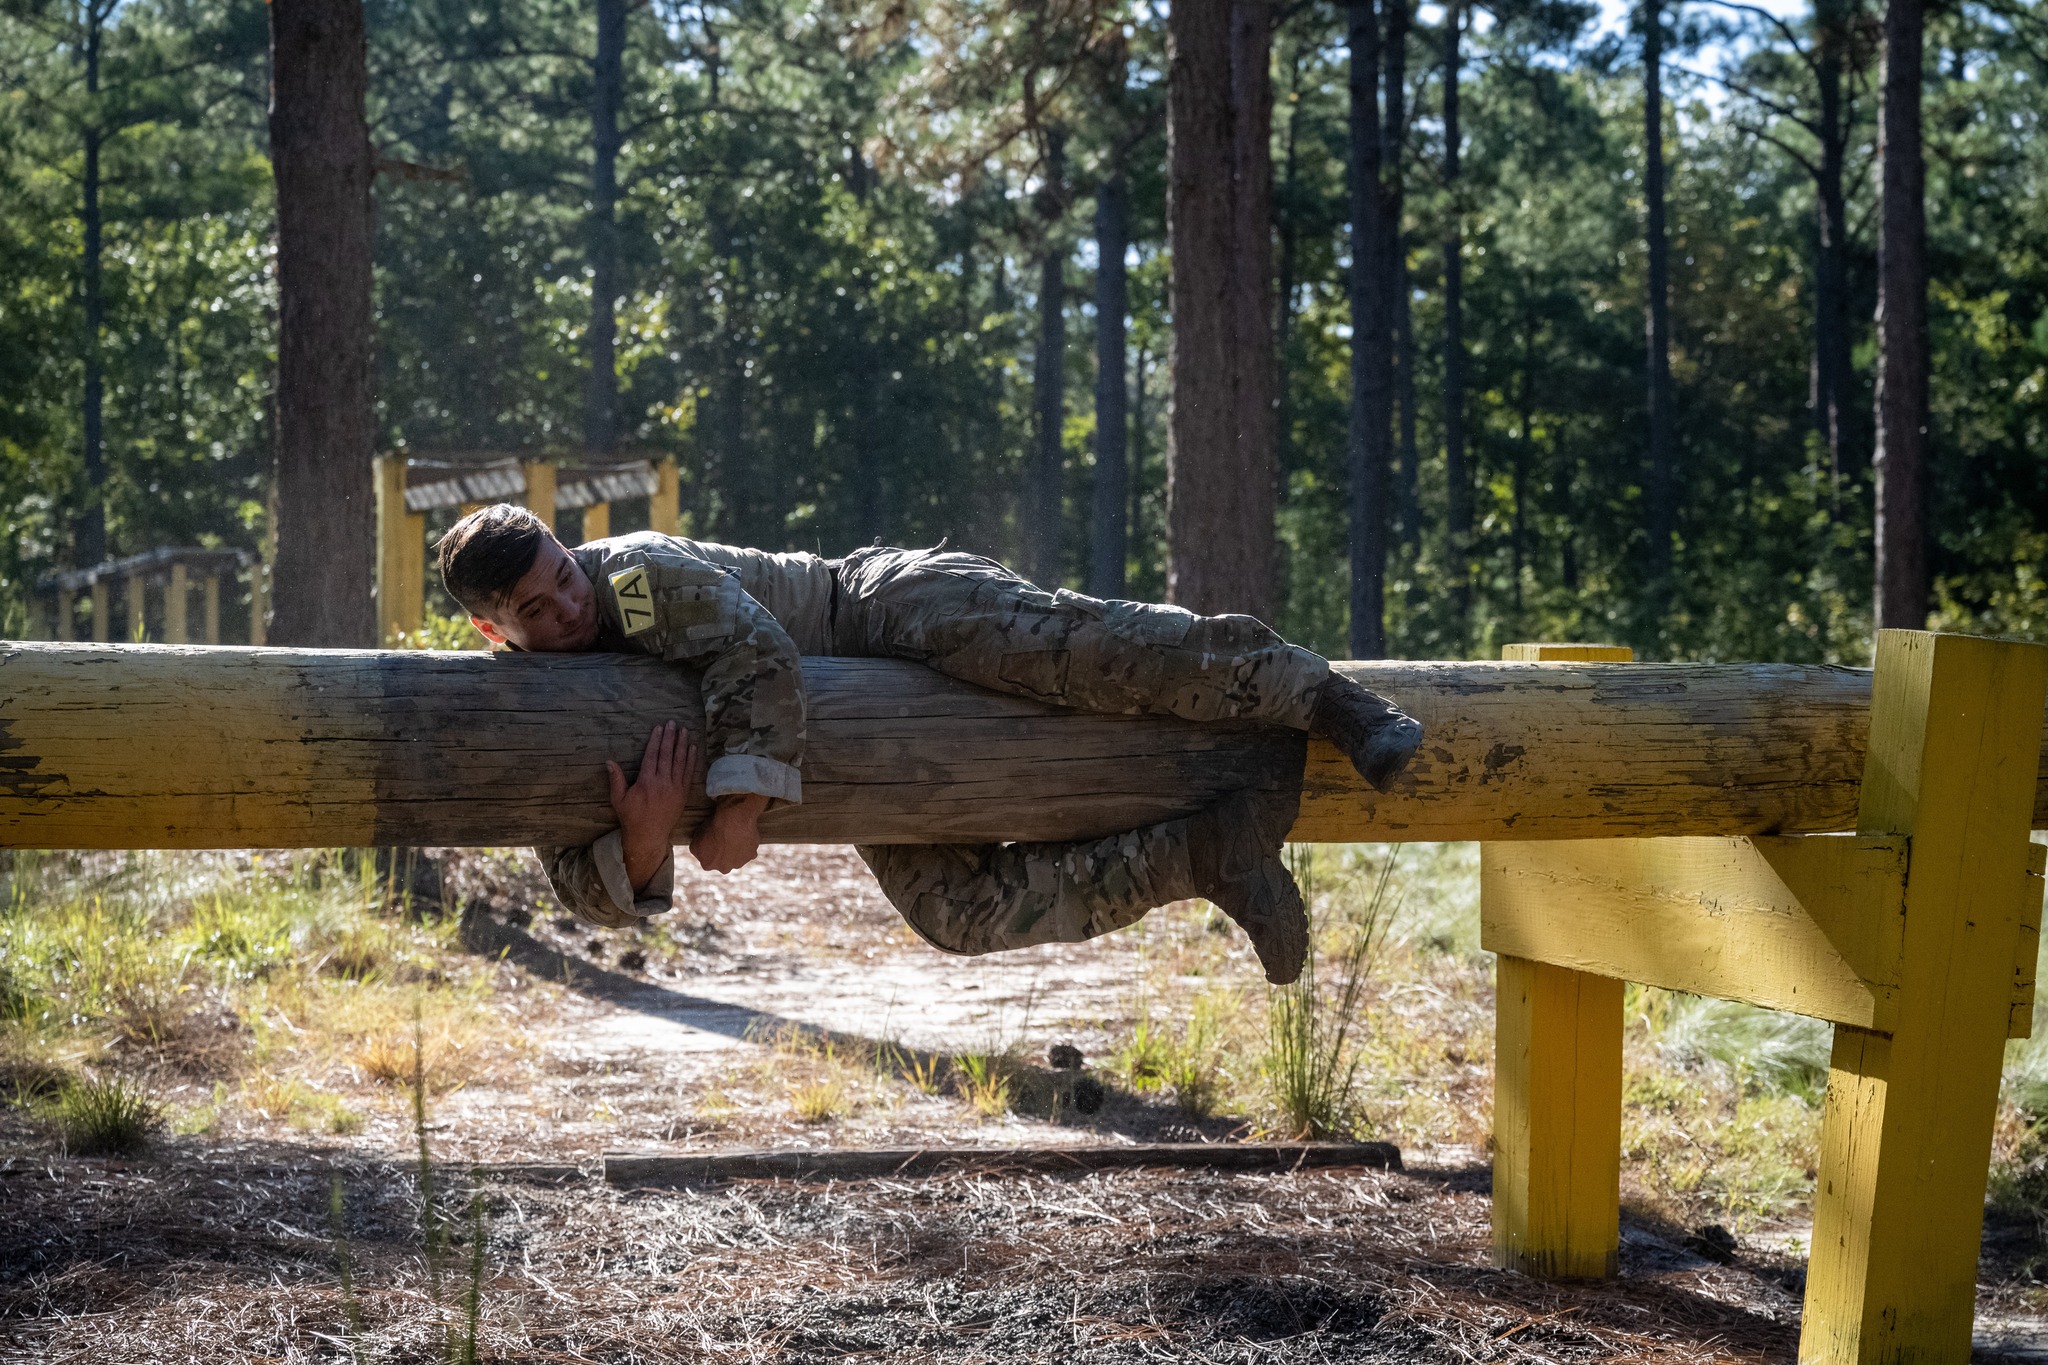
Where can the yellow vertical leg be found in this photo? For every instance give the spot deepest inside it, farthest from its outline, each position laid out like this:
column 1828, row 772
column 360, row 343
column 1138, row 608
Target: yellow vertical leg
column 177, row 597
column 1556, row 1120
column 67, row 614
column 102, row 628
column 401, row 554
column 1906, row 1130
column 664, row 504
column 540, row 489
column 597, row 521
column 138, row 610
column 259, row 606
column 212, row 599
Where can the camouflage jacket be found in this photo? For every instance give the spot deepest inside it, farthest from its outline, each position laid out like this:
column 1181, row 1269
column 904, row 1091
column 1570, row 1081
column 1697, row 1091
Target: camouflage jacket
column 715, row 609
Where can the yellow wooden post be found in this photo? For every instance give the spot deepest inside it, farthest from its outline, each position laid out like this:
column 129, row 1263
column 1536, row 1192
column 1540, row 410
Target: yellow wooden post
column 664, row 504
column 1557, row 1094
column 1955, row 730
column 540, row 489
column 102, row 628
column 597, row 521
column 401, row 554
column 138, row 610
column 259, row 610
column 213, row 609
column 176, row 598
column 67, row 614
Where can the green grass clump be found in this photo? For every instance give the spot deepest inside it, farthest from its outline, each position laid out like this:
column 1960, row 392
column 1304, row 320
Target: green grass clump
column 1312, row 1059
column 107, row 1116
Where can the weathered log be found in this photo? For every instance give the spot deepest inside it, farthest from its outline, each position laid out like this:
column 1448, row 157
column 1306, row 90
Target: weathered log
column 140, row 746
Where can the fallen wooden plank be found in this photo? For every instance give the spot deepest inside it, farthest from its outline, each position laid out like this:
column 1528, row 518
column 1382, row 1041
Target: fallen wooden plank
column 150, row 746
column 635, row 1169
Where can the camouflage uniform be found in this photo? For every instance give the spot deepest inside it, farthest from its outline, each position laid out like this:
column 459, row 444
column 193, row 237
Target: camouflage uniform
column 746, row 616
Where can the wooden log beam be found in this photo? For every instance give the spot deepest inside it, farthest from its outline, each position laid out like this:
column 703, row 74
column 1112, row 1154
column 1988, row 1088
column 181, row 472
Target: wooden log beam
column 136, row 746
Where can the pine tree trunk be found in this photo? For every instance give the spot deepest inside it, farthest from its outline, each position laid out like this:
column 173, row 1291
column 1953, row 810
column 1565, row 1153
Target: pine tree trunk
column 1109, row 541
column 1042, row 482
column 92, row 524
column 1831, row 340
column 1900, row 589
column 326, row 422
column 1220, row 540
column 607, row 92
column 1661, row 494
column 1393, row 203
column 1371, row 341
column 1457, row 475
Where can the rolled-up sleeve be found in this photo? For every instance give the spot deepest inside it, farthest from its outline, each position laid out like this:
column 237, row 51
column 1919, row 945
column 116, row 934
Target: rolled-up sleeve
column 591, row 883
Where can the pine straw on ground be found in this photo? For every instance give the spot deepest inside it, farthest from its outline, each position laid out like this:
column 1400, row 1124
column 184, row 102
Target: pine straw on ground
column 200, row 1262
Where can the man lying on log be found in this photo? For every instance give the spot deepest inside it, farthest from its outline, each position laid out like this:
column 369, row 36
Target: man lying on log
column 744, row 618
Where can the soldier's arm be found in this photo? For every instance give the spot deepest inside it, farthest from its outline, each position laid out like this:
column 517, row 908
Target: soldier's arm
column 629, row 873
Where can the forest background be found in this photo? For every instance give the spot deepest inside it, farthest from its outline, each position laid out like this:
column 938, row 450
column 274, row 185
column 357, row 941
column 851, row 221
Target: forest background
column 857, row 258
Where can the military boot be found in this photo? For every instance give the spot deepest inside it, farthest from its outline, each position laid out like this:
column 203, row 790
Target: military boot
column 1234, row 853
column 1374, row 734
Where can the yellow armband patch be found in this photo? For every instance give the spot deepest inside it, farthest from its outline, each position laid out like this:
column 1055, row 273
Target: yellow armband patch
column 636, row 603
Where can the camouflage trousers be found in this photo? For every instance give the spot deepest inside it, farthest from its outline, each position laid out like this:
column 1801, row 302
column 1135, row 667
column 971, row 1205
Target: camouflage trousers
column 972, row 619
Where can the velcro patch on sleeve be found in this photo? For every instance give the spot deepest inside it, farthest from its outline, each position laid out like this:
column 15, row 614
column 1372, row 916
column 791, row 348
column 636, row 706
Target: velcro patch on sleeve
column 636, row 602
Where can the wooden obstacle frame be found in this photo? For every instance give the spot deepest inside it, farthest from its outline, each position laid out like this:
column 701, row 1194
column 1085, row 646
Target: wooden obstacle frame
column 1915, row 937
column 410, row 486
column 171, row 570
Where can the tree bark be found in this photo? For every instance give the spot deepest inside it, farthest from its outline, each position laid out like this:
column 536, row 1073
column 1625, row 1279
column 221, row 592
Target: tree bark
column 1219, row 483
column 607, row 93
column 1457, row 476
column 1109, row 541
column 1043, row 548
column 92, row 525
column 1831, row 339
column 1661, row 517
column 1393, row 204
column 153, row 746
column 872, row 496
column 326, row 422
column 1371, row 345
column 1900, row 589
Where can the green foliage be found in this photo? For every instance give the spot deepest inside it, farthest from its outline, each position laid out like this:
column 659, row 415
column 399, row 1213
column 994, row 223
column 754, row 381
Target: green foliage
column 830, row 224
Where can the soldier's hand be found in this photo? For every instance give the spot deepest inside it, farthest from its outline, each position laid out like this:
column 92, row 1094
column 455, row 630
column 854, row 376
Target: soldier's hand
column 731, row 837
column 650, row 809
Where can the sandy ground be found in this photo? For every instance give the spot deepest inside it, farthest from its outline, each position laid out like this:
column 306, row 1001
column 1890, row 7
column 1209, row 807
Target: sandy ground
column 260, row 1242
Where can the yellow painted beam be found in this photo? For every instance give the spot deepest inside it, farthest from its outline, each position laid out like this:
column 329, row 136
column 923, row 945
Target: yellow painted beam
column 102, row 626
column 664, row 504
column 401, row 555
column 1556, row 1120
column 597, row 521
column 1906, row 1127
column 212, row 617
column 67, row 614
column 1567, row 654
column 259, row 606
column 138, row 610
column 540, row 489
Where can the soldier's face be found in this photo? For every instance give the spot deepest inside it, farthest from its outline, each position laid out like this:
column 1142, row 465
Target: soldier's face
column 552, row 610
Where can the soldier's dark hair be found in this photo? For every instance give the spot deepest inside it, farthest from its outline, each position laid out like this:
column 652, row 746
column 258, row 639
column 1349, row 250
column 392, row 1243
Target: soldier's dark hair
column 484, row 555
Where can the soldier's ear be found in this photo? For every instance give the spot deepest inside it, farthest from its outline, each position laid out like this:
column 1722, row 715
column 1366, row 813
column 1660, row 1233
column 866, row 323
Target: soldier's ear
column 488, row 629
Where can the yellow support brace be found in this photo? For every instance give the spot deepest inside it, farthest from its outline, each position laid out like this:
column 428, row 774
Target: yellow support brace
column 664, row 504
column 213, row 609
column 1557, row 1093
column 67, row 614
column 1955, row 733
column 102, row 627
column 597, row 521
column 401, row 555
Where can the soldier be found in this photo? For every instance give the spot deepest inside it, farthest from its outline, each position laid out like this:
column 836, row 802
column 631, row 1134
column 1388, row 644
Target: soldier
column 746, row 617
